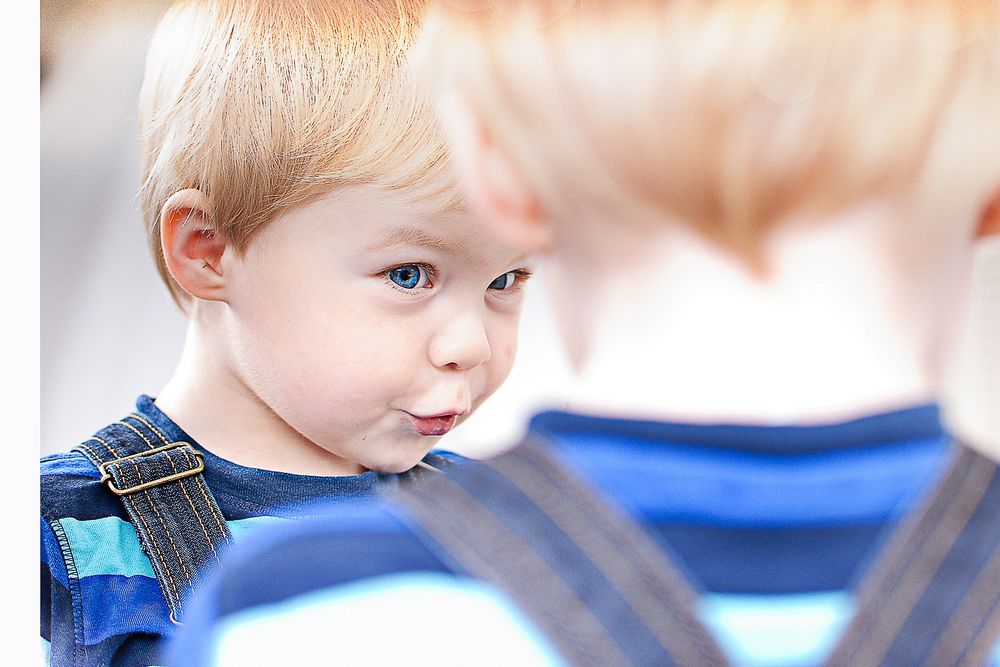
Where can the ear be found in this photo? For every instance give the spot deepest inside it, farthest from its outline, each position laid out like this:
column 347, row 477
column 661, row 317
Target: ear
column 989, row 223
column 191, row 248
column 494, row 187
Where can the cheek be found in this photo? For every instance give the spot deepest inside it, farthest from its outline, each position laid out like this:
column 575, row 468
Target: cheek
column 316, row 363
column 329, row 393
column 504, row 350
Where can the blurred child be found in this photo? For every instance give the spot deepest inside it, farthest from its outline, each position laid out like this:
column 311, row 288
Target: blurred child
column 759, row 220
column 344, row 311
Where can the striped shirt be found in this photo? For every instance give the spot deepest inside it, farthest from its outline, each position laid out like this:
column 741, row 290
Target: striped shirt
column 773, row 526
column 100, row 601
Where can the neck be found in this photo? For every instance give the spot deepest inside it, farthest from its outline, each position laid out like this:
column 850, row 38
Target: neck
column 823, row 337
column 207, row 399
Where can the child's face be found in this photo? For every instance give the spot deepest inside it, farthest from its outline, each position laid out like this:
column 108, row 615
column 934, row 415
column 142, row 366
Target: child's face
column 371, row 325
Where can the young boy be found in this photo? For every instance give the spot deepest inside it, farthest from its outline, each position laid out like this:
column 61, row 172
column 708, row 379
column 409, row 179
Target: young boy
column 344, row 312
column 759, row 219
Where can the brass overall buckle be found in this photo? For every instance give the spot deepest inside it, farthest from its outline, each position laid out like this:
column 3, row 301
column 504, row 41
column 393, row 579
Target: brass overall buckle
column 106, row 476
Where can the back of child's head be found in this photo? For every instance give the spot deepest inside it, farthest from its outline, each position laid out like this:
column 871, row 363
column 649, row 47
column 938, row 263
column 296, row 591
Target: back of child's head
column 730, row 115
column 261, row 105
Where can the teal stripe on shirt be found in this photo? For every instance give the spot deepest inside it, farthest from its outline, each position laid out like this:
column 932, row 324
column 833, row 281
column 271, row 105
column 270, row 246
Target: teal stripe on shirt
column 110, row 545
column 476, row 615
column 777, row 630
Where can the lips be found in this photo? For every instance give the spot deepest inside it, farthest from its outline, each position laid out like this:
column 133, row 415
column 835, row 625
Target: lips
column 435, row 424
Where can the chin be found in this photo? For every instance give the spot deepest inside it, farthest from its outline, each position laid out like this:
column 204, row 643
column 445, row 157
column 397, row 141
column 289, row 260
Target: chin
column 392, row 467
column 396, row 464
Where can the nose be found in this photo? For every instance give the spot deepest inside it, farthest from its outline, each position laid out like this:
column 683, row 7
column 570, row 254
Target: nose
column 461, row 342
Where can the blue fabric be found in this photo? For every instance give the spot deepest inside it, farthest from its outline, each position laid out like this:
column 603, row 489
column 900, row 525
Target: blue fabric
column 560, row 555
column 354, row 542
column 916, row 423
column 739, row 494
column 970, row 553
column 703, row 492
column 738, row 488
column 100, row 601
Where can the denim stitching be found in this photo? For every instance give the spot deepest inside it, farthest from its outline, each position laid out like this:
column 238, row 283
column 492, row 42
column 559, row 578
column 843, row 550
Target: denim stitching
column 963, row 619
column 889, row 568
column 197, row 515
column 204, row 531
column 76, row 595
column 423, row 499
column 151, row 427
column 156, row 546
column 163, row 524
column 152, row 505
column 166, row 532
column 103, row 442
column 138, row 433
column 968, row 613
column 671, row 637
column 93, row 454
column 942, row 528
column 870, row 651
column 199, row 482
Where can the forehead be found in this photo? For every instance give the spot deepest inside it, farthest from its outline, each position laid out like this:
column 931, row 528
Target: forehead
column 368, row 219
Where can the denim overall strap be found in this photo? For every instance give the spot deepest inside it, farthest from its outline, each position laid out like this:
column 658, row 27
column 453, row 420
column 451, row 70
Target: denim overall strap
column 933, row 595
column 179, row 524
column 594, row 583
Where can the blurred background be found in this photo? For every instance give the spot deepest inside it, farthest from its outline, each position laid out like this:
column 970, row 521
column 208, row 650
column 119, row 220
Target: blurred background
column 109, row 330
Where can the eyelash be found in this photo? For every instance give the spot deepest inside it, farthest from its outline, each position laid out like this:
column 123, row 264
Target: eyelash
column 428, row 269
column 520, row 277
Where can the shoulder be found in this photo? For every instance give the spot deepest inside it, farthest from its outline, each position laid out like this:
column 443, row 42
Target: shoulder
column 348, row 576
column 343, row 542
column 70, row 487
column 340, row 542
column 412, row 618
column 93, row 571
column 57, row 469
column 84, row 528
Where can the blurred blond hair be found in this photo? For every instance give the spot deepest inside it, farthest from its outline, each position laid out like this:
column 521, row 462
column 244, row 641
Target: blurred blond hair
column 729, row 115
column 264, row 104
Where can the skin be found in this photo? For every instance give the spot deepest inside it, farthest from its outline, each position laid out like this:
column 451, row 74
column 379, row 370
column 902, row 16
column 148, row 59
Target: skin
column 320, row 363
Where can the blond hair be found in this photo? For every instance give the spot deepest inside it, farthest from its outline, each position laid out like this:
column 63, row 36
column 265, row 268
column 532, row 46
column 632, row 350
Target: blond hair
column 728, row 115
column 262, row 105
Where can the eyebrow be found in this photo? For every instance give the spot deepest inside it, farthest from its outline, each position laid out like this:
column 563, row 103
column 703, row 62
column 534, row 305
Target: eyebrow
column 413, row 236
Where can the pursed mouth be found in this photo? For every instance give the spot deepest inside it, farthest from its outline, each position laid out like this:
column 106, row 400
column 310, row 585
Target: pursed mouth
column 433, row 425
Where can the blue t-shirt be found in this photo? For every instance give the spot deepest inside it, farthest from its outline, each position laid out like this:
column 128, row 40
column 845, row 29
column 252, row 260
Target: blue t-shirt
column 774, row 526
column 101, row 603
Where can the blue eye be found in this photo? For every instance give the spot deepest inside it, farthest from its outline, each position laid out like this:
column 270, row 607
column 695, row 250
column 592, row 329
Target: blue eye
column 409, row 276
column 506, row 281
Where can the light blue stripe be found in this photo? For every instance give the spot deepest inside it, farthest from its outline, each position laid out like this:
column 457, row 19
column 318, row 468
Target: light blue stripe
column 777, row 630
column 46, row 651
column 477, row 620
column 110, row 545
